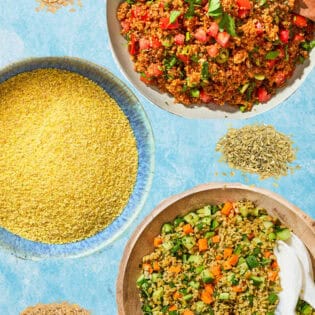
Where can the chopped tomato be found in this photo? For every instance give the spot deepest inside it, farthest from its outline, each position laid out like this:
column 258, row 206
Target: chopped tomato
column 213, row 50
column 263, row 95
column 242, row 13
column 280, row 78
column 213, row 29
column 144, row 43
column 223, row 38
column 155, row 43
column 271, row 63
column 183, row 58
column 145, row 79
column 284, row 36
column 204, row 97
column 281, row 53
column 299, row 38
column 201, row 35
column 125, row 26
column 154, row 70
column 259, row 28
column 299, row 21
column 132, row 46
column 179, row 39
column 244, row 4
column 166, row 25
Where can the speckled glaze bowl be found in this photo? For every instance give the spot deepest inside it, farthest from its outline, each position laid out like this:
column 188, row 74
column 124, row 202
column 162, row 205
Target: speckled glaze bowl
column 141, row 242
column 145, row 145
column 166, row 102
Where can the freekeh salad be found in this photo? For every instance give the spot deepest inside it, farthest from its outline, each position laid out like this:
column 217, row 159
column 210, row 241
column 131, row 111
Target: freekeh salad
column 218, row 259
column 236, row 52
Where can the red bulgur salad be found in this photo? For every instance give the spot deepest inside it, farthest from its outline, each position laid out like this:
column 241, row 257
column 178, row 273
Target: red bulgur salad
column 235, row 52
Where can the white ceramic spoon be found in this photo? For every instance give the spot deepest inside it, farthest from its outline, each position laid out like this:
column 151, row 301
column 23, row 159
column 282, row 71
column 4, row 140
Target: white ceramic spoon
column 290, row 279
column 308, row 286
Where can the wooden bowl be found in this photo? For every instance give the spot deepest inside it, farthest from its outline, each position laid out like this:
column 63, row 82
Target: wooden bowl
column 141, row 242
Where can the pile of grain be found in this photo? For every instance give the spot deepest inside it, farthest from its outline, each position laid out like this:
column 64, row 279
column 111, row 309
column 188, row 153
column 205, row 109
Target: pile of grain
column 54, row 5
column 68, row 157
column 55, row 309
column 258, row 149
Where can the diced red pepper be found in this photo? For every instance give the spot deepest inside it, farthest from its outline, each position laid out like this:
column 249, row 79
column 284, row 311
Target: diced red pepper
column 280, row 78
column 201, row 35
column 204, row 97
column 155, row 42
column 166, row 25
column 271, row 63
column 183, row 58
column 154, row 70
column 144, row 43
column 244, row 4
column 284, row 36
column 213, row 29
column 125, row 26
column 212, row 50
column 299, row 21
column 259, row 28
column 223, row 39
column 242, row 13
column 179, row 39
column 299, row 38
column 132, row 46
column 263, row 95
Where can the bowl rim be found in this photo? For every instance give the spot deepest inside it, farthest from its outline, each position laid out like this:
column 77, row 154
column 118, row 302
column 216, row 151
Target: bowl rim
column 173, row 199
column 287, row 90
column 37, row 250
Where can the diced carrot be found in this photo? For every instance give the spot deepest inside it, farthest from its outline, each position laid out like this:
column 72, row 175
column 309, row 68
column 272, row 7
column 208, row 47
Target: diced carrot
column 156, row 266
column 177, row 295
column 157, row 241
column 187, row 228
column 237, row 289
column 175, row 269
column 227, row 265
column 202, row 244
column 147, row 267
column 172, row 308
column 206, row 297
column 227, row 252
column 272, row 275
column 215, row 239
column 227, row 208
column 267, row 254
column 209, row 288
column 188, row 312
column 274, row 264
column 218, row 257
column 216, row 270
column 233, row 260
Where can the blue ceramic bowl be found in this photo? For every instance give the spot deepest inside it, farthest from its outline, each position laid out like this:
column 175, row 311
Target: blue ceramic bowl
column 145, row 145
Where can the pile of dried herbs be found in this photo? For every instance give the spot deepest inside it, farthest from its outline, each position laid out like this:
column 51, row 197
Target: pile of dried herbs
column 258, row 149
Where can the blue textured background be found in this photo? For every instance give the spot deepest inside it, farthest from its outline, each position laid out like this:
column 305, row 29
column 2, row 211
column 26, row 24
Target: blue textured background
column 184, row 156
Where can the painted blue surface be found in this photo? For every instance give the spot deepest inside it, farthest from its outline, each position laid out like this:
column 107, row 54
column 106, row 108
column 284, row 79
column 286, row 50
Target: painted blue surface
column 184, row 156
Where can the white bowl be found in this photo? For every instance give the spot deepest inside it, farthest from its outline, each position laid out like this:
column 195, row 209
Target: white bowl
column 166, row 102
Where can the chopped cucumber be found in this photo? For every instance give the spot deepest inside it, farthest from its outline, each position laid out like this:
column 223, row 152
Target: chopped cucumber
column 188, row 297
column 157, row 295
column 200, row 307
column 209, row 234
column 196, row 260
column 268, row 224
column 167, row 245
column 224, row 296
column 272, row 298
column 272, row 236
column 214, row 224
column 167, row 228
column 244, row 211
column 188, row 241
column 194, row 284
column 207, row 276
column 205, row 211
column 283, row 234
column 257, row 280
column 252, row 261
column 192, row 218
column 206, row 220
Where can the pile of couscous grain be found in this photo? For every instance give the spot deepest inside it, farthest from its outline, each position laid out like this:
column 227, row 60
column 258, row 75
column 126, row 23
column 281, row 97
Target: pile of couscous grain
column 68, row 157
column 55, row 309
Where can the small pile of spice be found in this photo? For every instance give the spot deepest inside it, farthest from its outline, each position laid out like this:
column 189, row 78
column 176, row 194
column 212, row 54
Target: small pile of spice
column 258, row 149
column 54, row 5
column 55, row 309
column 68, row 157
